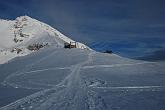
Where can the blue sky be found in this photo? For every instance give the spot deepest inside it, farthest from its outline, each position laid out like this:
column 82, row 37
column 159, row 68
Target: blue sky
column 130, row 28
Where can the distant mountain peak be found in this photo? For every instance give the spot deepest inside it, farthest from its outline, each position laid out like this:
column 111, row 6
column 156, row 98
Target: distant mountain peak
column 25, row 35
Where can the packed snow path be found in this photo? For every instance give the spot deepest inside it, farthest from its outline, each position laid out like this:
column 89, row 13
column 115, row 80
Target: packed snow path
column 73, row 93
column 74, row 96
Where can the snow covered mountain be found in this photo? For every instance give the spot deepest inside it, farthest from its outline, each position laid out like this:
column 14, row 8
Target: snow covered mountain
column 71, row 79
column 25, row 35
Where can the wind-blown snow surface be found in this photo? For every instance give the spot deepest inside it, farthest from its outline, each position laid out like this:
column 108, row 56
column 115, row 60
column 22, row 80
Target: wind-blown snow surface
column 17, row 35
column 77, row 79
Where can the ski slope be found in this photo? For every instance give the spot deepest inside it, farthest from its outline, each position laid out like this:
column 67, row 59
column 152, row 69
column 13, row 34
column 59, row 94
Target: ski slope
column 77, row 79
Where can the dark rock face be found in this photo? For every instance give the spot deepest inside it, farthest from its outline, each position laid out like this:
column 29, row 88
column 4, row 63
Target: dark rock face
column 34, row 47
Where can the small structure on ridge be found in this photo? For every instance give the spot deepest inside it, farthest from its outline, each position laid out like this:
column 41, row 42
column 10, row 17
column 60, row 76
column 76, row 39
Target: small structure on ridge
column 70, row 45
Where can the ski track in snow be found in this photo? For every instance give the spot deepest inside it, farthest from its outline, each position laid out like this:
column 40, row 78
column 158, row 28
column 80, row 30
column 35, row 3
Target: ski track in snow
column 71, row 94
column 132, row 88
column 75, row 96
column 27, row 67
column 115, row 65
column 83, row 67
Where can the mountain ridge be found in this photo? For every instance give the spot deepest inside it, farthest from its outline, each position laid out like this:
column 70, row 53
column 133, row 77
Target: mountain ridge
column 25, row 35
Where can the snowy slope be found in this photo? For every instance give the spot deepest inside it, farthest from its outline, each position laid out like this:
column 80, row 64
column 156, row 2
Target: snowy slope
column 73, row 79
column 20, row 36
column 78, row 79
